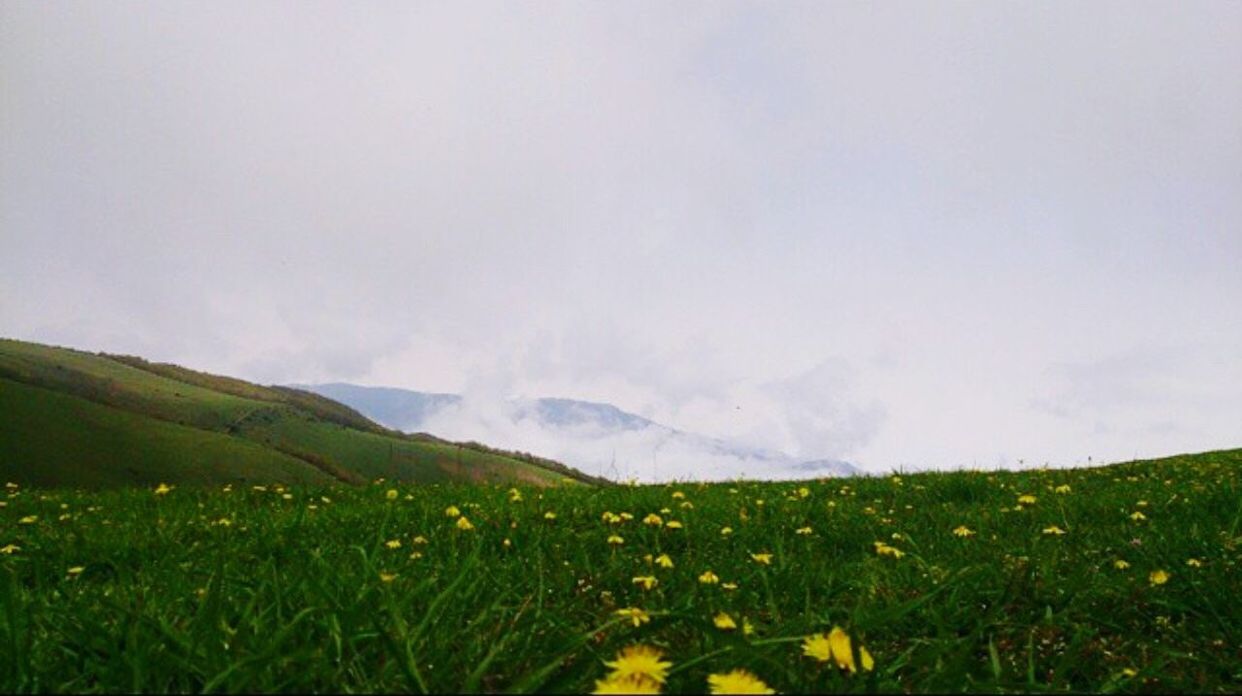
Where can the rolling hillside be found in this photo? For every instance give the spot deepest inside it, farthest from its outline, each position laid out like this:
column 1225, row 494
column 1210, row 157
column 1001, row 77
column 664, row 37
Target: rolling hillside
column 77, row 419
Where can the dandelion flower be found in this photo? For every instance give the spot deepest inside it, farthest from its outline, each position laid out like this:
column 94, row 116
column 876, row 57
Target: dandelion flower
column 1158, row 577
column 387, row 577
column 728, row 586
column 646, row 581
column 393, row 543
column 1120, row 564
column 653, row 520
column 10, row 549
column 726, row 531
column 664, row 561
column 76, row 570
column 1062, row 489
column 1138, row 516
column 1027, row 499
column 1194, row 563
column 673, row 524
column 762, row 558
column 28, row 519
column 835, row 645
column 464, row 524
column 639, row 661
column 963, row 531
column 738, row 681
column 803, row 531
column 549, row 515
column 635, row 615
column 1054, row 531
column 709, row 578
column 678, row 495
column 724, row 622
column 883, row 549
column 391, row 494
column 163, row 489
column 420, row 539
column 615, row 540
column 515, row 496
column 627, row 685
column 452, row 511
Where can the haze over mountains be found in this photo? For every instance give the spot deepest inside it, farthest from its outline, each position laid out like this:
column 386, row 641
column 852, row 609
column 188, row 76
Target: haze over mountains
column 599, row 439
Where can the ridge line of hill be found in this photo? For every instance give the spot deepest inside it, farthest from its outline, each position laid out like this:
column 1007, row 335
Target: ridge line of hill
column 322, row 434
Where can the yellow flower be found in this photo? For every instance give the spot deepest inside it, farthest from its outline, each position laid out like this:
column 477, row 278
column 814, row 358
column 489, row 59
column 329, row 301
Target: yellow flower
column 726, row 531
column 626, row 516
column 1054, row 531
column 414, row 556
column 420, row 539
column 611, row 518
column 653, row 520
column 387, row 577
column 391, row 494
column 762, row 558
column 76, row 570
column 1120, row 564
column 835, row 646
column 728, row 586
column 804, row 531
column 639, row 661
column 10, row 549
column 738, row 681
column 1063, row 488
column 673, row 524
column 709, row 578
column 464, row 524
column 615, row 540
column 452, row 511
column 1194, row 563
column 963, row 531
column 515, row 496
column 646, row 581
column 163, row 489
column 393, row 543
column 634, row 614
column 883, row 549
column 626, row 685
column 1158, row 577
column 664, row 561
column 678, row 495
column 1027, row 499
column 1138, row 516
column 506, row 543
column 804, row 492
column 28, row 519
column 222, row 522
column 549, row 515
column 724, row 622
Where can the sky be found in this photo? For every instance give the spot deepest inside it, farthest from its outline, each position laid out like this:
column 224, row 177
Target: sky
column 908, row 235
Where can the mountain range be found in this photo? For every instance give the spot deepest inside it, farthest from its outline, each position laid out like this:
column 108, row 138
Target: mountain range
column 596, row 438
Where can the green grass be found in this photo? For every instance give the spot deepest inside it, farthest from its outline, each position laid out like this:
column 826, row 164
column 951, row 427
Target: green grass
column 288, row 595
column 85, row 445
column 243, row 431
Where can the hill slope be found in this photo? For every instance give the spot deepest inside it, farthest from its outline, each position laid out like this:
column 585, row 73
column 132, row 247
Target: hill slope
column 72, row 418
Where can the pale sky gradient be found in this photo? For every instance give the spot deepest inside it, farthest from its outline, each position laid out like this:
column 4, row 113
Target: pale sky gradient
column 903, row 234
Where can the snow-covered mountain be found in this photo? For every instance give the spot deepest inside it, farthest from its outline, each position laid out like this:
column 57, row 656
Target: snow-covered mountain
column 597, row 438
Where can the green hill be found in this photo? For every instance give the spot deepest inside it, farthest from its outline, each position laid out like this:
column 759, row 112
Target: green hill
column 77, row 419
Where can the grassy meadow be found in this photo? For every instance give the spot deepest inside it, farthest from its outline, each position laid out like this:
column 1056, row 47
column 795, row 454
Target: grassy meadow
column 1120, row 578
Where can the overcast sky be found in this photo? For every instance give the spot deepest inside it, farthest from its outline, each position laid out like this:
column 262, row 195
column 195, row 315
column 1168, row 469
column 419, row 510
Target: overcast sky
column 902, row 234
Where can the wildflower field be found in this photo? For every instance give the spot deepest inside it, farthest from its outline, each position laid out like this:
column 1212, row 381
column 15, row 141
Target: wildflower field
column 1120, row 578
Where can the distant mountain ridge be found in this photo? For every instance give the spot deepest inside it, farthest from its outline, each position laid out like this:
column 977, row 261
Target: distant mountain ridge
column 584, row 434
